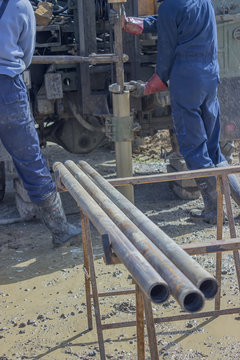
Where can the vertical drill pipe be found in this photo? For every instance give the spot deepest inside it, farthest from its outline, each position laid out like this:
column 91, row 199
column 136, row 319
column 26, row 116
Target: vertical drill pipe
column 145, row 276
column 187, row 295
column 118, row 46
column 121, row 108
column 200, row 277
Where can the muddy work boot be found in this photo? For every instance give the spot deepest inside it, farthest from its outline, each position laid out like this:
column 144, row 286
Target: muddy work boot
column 53, row 216
column 207, row 187
column 233, row 183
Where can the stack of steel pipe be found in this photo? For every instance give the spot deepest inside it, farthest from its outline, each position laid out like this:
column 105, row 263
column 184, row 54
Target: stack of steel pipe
column 156, row 262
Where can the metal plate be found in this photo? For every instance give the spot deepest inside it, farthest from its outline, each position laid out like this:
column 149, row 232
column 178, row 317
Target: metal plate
column 53, row 86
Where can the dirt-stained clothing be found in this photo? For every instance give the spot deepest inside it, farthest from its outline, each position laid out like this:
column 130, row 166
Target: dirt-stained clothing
column 17, row 129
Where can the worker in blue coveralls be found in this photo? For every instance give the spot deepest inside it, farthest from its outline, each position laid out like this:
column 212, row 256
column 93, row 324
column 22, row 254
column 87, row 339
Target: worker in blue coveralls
column 187, row 58
column 17, row 129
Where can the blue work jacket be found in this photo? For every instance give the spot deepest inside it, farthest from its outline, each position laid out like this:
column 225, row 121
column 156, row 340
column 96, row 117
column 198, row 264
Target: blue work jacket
column 187, row 33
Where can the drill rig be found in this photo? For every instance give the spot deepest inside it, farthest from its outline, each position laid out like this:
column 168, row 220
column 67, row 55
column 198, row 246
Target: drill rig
column 71, row 102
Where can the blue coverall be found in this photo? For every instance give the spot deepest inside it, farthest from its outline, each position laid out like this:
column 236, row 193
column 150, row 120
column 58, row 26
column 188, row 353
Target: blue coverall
column 17, row 128
column 187, row 56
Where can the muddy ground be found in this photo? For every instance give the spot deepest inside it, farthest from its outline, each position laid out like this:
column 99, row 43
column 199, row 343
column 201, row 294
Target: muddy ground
column 42, row 299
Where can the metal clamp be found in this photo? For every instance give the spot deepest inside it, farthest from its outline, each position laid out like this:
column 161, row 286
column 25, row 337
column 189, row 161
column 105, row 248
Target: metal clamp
column 119, row 128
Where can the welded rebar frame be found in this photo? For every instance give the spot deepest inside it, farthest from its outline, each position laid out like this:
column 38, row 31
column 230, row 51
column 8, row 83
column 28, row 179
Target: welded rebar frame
column 143, row 305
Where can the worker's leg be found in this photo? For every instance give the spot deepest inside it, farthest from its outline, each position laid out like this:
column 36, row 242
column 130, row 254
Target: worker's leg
column 207, row 187
column 211, row 120
column 192, row 134
column 54, row 218
column 19, row 136
column 210, row 111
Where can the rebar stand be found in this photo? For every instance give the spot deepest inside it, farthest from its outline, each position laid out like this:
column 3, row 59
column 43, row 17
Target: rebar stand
column 144, row 313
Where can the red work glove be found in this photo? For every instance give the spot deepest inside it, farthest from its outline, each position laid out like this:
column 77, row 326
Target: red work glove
column 154, row 85
column 132, row 25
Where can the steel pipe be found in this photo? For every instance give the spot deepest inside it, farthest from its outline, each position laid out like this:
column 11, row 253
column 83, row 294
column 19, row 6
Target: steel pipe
column 123, row 149
column 92, row 59
column 187, row 295
column 204, row 281
column 151, row 283
column 118, row 45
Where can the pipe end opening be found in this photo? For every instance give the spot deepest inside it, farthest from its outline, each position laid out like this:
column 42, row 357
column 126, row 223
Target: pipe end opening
column 193, row 302
column 209, row 288
column 159, row 293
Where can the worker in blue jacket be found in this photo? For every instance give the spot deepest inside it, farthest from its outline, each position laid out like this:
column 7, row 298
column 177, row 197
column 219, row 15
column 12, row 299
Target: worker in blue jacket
column 187, row 58
column 17, row 129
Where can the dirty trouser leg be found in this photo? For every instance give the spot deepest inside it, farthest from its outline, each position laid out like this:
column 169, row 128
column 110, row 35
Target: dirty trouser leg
column 19, row 136
column 195, row 113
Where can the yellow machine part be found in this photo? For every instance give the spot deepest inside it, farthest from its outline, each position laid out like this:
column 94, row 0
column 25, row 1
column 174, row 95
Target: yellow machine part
column 146, row 7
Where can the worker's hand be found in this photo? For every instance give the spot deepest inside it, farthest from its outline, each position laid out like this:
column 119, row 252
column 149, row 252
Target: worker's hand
column 132, row 25
column 139, row 88
column 154, row 85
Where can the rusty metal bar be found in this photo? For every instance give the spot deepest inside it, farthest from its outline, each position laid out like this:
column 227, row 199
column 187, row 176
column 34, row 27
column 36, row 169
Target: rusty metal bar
column 92, row 59
column 87, row 234
column 226, row 191
column 116, row 292
column 219, row 237
column 140, row 324
column 152, row 340
column 181, row 175
column 145, row 276
column 118, row 46
column 87, row 279
column 187, row 295
column 192, row 270
column 212, row 247
column 213, row 313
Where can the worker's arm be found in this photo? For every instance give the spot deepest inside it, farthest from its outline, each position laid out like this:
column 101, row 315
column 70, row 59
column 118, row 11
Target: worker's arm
column 139, row 25
column 167, row 40
column 27, row 37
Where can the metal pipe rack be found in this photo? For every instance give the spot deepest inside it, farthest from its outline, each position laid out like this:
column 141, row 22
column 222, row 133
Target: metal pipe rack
column 95, row 198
